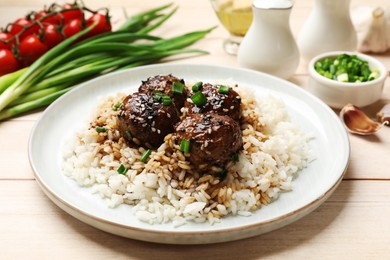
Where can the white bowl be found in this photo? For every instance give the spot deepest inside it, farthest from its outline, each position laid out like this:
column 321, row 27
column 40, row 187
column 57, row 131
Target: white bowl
column 337, row 94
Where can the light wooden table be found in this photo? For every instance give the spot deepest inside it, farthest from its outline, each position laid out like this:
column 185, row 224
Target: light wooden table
column 353, row 224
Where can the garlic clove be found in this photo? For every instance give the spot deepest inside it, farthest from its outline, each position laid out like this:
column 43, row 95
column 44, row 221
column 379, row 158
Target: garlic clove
column 383, row 115
column 357, row 122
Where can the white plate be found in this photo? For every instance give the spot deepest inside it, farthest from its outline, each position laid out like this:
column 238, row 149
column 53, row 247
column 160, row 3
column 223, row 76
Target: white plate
column 311, row 188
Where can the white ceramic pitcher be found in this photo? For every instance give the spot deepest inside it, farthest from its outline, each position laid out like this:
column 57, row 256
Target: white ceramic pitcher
column 269, row 45
column 328, row 28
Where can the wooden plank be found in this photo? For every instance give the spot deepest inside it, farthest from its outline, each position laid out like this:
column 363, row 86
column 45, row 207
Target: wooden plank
column 353, row 220
column 14, row 163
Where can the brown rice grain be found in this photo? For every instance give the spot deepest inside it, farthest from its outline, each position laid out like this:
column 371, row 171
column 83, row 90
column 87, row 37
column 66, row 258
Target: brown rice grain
column 184, row 165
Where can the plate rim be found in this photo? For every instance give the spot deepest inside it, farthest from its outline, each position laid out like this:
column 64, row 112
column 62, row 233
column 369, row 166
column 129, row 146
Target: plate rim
column 309, row 207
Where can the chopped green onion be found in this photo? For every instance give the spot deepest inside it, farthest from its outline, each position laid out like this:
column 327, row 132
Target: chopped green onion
column 158, row 96
column 235, row 157
column 128, row 134
column 222, row 175
column 177, row 88
column 145, row 155
column 346, row 68
column 122, row 169
column 197, row 86
column 223, row 89
column 199, row 99
column 100, row 129
column 342, row 77
column 166, row 100
column 117, row 106
column 162, row 98
column 374, row 74
column 185, row 146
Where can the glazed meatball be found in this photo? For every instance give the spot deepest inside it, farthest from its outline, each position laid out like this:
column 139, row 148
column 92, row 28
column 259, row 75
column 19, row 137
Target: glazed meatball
column 145, row 120
column 164, row 84
column 214, row 139
column 221, row 100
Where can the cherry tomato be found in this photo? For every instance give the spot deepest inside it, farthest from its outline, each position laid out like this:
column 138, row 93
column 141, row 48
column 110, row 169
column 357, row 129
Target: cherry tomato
column 103, row 24
column 51, row 35
column 31, row 48
column 53, row 19
column 8, row 62
column 4, row 36
column 68, row 15
column 73, row 27
column 20, row 24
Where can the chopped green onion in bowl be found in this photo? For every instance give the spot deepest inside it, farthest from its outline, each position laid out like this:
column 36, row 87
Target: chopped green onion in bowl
column 346, row 68
column 345, row 87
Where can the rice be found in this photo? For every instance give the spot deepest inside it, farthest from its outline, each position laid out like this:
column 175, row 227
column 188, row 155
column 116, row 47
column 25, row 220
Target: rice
column 166, row 188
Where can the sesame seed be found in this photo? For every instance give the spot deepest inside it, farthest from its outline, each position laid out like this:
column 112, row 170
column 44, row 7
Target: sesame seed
column 158, row 131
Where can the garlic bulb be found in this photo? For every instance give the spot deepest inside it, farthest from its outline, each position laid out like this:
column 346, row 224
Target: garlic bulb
column 373, row 29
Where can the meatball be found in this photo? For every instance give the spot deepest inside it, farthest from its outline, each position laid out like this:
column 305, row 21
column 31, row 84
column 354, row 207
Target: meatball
column 164, row 85
column 214, row 139
column 226, row 103
column 142, row 117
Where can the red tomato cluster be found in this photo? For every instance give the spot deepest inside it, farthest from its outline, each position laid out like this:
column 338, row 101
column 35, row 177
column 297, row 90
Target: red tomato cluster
column 28, row 38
